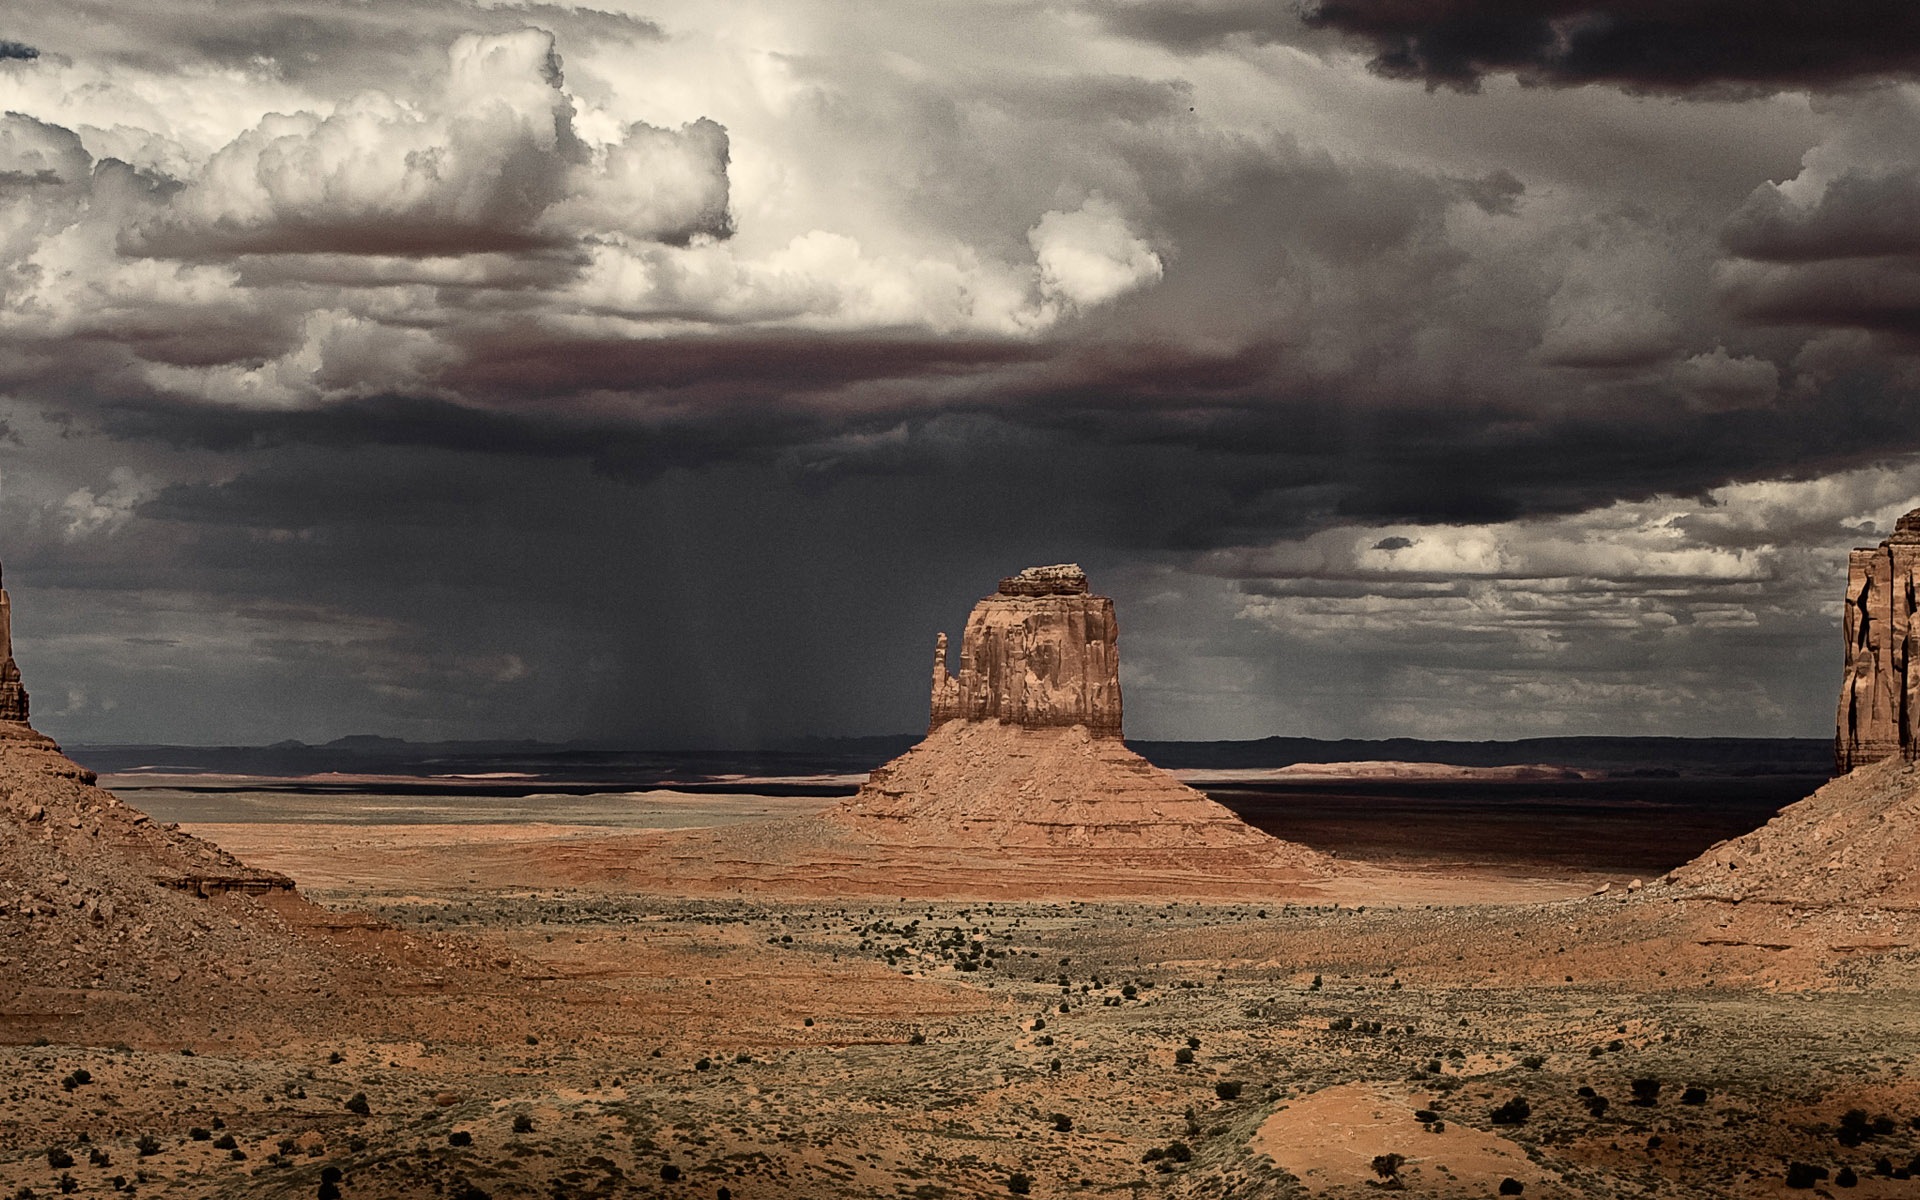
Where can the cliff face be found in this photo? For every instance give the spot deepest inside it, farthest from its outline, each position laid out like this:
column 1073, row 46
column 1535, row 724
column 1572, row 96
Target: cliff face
column 1880, row 687
column 13, row 694
column 1040, row 653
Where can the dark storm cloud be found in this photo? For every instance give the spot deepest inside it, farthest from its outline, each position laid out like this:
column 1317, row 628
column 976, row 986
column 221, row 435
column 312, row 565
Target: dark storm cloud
column 1654, row 45
column 415, row 368
column 1858, row 215
column 527, row 362
column 17, row 50
column 304, row 41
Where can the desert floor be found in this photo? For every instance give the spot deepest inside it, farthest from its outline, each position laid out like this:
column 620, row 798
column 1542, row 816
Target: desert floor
column 813, row 1047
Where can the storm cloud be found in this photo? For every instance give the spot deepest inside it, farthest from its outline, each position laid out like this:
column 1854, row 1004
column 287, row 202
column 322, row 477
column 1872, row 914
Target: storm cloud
column 673, row 373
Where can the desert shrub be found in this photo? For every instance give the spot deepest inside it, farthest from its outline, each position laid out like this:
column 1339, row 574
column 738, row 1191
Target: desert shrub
column 522, row 1123
column 1387, row 1166
column 1054, row 1066
column 1193, row 1043
column 1845, row 1178
column 1129, row 991
column 1857, row 1127
column 918, row 1039
column 669, row 1173
column 224, row 1142
column 1694, row 1095
column 1045, row 1039
column 705, row 1064
column 1039, row 1023
column 66, row 1185
column 1179, row 1152
column 1183, row 1056
column 1062, row 1123
column 147, row 1145
column 460, row 1137
column 1315, row 985
column 1341, row 1025
column 237, row 1154
column 1804, row 1175
column 1513, row 1112
column 287, row 1146
column 58, row 1158
column 1533, row 1062
column 357, row 1103
column 1511, row 1186
column 1425, row 1116
column 1597, row 1105
column 1019, row 1184
column 808, row 1022
column 98, row 1157
column 78, row 1078
column 1646, row 1092
column 1227, row 1089
column 198, row 1134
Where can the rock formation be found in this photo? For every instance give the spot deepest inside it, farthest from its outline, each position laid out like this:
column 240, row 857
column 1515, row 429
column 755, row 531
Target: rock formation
column 117, row 927
column 1023, row 776
column 13, row 694
column 1880, row 689
column 1039, row 654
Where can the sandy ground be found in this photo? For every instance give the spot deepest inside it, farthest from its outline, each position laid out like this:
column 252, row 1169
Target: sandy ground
column 326, row 855
column 640, row 1042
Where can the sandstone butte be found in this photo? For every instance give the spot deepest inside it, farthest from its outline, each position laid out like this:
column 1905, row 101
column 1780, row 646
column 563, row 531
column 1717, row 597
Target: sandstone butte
column 1023, row 752
column 111, row 920
column 1880, row 684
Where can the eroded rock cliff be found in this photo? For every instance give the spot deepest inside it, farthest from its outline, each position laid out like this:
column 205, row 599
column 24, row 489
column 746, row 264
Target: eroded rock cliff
column 1879, row 690
column 13, row 694
column 1041, row 653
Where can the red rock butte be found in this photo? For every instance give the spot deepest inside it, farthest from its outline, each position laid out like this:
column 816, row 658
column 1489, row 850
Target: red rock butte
column 1024, row 755
column 1880, row 686
column 1040, row 653
column 13, row 693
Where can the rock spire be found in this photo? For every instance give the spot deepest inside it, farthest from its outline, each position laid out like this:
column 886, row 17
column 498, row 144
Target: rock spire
column 1880, row 687
column 13, row 694
column 1042, row 652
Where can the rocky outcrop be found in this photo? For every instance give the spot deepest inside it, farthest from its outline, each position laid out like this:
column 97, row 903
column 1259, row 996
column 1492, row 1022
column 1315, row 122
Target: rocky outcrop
column 1880, row 688
column 13, row 694
column 1041, row 653
column 1023, row 786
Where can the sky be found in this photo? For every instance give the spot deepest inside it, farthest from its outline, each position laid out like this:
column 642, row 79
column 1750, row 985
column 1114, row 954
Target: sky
column 671, row 373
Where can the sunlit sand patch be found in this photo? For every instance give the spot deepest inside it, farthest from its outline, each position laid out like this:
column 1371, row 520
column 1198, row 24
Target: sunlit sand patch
column 1329, row 1139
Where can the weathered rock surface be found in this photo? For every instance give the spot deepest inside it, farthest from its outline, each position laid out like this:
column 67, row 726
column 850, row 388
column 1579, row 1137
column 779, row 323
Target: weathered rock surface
column 113, row 923
column 1856, row 841
column 987, row 783
column 13, row 693
column 1041, row 653
column 1023, row 767
column 1880, row 687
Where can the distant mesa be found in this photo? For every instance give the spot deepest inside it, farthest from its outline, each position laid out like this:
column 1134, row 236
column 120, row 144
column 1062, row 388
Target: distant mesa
column 1880, row 686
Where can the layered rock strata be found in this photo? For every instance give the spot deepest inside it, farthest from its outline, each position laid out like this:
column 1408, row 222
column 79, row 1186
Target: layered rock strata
column 1023, row 772
column 1880, row 686
column 1041, row 653
column 13, row 694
